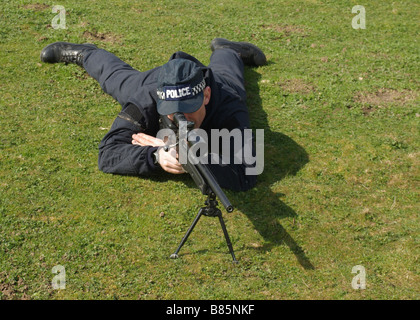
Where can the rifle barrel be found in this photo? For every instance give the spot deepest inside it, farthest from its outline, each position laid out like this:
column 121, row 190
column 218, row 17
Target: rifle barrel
column 214, row 186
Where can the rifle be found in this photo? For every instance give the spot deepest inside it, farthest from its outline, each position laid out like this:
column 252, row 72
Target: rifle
column 202, row 177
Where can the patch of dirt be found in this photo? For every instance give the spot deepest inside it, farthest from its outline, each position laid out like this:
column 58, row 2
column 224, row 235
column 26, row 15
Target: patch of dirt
column 367, row 110
column 36, row 6
column 106, row 37
column 384, row 97
column 12, row 290
column 137, row 10
column 287, row 30
column 296, row 86
column 42, row 38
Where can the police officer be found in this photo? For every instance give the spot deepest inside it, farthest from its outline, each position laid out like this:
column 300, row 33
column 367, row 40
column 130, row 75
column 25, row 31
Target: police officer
column 212, row 96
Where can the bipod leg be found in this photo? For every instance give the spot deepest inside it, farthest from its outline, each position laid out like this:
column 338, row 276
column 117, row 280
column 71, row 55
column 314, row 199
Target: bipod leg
column 210, row 210
column 229, row 244
column 175, row 254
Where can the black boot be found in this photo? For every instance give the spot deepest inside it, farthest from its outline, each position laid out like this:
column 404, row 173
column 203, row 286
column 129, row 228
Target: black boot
column 250, row 54
column 66, row 52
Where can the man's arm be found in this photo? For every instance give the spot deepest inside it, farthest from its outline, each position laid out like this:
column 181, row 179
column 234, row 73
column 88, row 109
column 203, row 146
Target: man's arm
column 118, row 155
column 129, row 148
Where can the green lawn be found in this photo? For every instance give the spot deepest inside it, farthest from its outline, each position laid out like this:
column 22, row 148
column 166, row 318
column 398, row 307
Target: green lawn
column 340, row 113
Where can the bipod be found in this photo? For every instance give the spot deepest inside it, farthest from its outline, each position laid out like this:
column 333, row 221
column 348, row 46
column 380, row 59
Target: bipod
column 210, row 210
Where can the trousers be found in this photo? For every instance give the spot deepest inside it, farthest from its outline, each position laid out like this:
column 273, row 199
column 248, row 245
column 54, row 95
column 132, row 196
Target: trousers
column 122, row 81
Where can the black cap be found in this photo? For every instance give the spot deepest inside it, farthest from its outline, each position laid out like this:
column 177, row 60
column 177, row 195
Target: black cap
column 180, row 87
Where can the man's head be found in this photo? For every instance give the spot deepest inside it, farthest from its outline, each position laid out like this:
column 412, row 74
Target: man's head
column 182, row 88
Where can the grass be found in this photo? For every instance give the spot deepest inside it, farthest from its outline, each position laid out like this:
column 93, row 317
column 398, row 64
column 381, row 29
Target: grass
column 340, row 110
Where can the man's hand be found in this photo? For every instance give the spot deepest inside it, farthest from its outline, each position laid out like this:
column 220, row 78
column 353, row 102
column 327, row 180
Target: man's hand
column 167, row 160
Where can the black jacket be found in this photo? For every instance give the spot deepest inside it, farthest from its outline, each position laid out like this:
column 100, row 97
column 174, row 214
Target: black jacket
column 226, row 109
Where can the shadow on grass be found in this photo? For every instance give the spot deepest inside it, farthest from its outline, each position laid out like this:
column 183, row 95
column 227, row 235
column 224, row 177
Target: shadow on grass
column 282, row 157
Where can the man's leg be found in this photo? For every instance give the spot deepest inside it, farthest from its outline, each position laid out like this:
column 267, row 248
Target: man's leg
column 228, row 60
column 116, row 77
column 227, row 64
